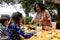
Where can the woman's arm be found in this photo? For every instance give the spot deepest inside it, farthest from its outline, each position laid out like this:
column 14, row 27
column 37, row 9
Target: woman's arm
column 47, row 24
column 47, row 20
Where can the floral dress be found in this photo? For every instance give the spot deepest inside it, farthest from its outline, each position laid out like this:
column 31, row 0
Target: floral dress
column 45, row 16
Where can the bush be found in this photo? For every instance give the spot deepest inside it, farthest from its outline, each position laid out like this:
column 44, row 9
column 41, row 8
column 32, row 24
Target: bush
column 28, row 19
column 6, row 15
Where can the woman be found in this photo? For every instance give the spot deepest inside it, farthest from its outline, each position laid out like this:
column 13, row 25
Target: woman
column 14, row 29
column 42, row 16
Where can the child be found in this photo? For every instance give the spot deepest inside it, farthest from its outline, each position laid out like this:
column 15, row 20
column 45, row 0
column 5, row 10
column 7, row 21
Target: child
column 14, row 29
column 4, row 26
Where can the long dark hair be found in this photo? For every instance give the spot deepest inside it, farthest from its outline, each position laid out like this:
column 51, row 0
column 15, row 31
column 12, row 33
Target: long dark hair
column 41, row 5
column 16, row 17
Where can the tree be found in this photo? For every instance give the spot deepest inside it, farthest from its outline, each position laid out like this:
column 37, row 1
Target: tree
column 8, row 1
column 27, row 5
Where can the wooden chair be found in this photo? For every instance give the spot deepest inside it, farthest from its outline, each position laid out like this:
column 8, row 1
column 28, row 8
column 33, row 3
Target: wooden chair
column 58, row 25
column 53, row 25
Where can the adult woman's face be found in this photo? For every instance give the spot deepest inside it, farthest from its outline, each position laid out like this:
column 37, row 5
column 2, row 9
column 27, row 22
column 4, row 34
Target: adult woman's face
column 38, row 8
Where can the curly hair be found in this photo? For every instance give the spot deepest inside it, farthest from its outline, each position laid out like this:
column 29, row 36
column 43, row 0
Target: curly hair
column 41, row 5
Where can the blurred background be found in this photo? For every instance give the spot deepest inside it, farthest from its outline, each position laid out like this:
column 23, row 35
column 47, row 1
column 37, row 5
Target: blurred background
column 7, row 7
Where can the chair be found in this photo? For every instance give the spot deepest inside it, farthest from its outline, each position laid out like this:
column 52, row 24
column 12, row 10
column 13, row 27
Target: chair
column 53, row 25
column 58, row 25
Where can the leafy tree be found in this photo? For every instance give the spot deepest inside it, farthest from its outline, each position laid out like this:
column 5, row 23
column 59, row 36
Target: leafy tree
column 27, row 5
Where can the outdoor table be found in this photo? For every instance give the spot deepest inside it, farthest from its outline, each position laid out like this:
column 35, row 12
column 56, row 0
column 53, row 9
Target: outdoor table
column 44, row 36
column 47, row 35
